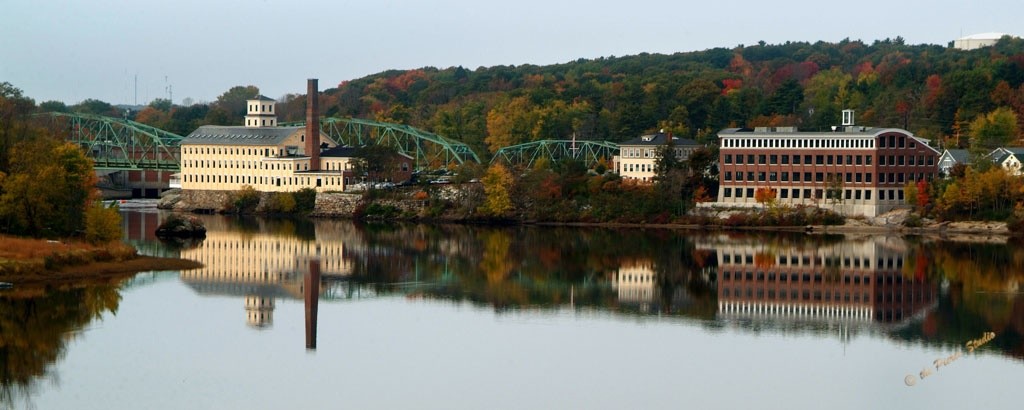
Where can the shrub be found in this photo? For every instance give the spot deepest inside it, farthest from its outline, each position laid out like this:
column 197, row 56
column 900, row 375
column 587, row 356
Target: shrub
column 281, row 202
column 243, row 201
column 102, row 224
column 305, row 200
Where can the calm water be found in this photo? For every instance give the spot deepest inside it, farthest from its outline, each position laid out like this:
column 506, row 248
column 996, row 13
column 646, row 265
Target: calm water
column 330, row 314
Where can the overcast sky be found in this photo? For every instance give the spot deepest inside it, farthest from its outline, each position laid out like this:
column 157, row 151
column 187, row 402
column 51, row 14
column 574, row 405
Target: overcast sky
column 70, row 50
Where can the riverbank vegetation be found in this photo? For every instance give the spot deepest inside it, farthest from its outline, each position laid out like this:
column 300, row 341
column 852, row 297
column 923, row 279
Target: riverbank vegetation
column 47, row 185
column 28, row 260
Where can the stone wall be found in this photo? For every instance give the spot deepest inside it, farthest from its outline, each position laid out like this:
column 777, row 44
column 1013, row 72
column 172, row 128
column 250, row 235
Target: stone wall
column 336, row 204
column 197, row 200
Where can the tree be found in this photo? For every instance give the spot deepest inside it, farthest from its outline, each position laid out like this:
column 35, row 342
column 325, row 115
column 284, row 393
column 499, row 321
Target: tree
column 47, row 190
column 102, row 224
column 834, row 188
column 97, row 107
column 374, row 162
column 994, row 129
column 232, row 102
column 765, row 196
column 497, row 185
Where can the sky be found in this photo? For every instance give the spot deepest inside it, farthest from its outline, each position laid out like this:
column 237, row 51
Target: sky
column 128, row 51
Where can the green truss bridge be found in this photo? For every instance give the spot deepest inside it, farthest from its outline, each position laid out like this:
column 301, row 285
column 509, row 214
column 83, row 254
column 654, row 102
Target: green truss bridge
column 429, row 150
column 121, row 144
column 117, row 143
column 589, row 152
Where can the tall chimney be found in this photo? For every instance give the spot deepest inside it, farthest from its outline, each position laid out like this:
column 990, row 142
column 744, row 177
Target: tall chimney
column 313, row 124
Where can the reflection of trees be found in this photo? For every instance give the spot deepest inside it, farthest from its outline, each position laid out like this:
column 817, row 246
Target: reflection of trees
column 983, row 293
column 35, row 327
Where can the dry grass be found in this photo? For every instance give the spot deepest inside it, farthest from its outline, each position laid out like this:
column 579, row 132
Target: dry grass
column 35, row 260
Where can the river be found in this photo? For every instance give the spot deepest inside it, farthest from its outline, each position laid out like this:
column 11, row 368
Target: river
column 334, row 314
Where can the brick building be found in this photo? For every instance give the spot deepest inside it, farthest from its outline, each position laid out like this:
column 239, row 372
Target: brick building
column 853, row 170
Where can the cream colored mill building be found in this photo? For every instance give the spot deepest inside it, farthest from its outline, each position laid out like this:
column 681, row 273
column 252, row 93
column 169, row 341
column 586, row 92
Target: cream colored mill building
column 638, row 157
column 261, row 155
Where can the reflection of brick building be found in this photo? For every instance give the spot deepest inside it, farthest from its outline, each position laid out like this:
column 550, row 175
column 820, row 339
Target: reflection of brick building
column 854, row 170
column 848, row 281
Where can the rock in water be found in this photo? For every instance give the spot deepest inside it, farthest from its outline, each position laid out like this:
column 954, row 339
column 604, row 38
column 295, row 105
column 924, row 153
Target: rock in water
column 177, row 226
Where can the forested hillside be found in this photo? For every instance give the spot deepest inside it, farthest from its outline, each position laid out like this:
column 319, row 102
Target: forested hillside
column 934, row 91
column 937, row 92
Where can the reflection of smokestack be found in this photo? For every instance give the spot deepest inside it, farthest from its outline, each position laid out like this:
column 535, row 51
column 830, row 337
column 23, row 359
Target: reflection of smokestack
column 313, row 124
column 312, row 298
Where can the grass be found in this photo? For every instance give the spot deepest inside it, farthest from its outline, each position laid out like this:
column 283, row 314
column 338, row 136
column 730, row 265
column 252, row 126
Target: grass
column 24, row 260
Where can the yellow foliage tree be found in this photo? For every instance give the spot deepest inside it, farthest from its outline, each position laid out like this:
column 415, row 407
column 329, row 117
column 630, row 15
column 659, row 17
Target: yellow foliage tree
column 497, row 184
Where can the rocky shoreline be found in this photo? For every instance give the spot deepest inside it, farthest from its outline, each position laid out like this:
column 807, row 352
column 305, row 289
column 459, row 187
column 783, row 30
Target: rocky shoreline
column 897, row 222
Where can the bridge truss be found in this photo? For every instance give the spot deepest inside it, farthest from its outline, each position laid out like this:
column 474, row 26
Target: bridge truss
column 589, row 152
column 119, row 144
column 429, row 150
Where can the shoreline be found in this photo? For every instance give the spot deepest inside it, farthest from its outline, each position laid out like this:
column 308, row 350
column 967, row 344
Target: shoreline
column 26, row 261
column 100, row 270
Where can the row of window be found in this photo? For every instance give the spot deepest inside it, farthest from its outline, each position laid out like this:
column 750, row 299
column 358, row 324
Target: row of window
column 846, row 194
column 773, row 176
column 260, row 180
column 794, row 277
column 798, row 143
column 648, row 153
column 252, row 122
column 784, row 159
column 265, row 152
column 823, row 177
column 261, row 108
column 256, row 165
column 637, row 167
column 806, row 260
column 817, row 295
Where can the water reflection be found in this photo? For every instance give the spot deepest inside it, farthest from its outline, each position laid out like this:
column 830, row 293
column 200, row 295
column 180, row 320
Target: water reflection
column 36, row 325
column 851, row 281
column 888, row 285
column 900, row 290
column 263, row 260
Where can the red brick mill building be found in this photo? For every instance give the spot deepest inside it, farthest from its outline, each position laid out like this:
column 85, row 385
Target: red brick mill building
column 853, row 170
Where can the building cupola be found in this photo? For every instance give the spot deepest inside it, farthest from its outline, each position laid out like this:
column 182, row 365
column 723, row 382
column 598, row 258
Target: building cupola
column 260, row 112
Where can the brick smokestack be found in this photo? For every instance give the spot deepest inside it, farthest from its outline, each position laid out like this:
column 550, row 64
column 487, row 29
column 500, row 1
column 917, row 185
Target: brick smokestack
column 313, row 124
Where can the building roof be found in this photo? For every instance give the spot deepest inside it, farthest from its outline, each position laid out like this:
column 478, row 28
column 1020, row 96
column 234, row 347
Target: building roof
column 236, row 135
column 339, row 152
column 794, row 132
column 959, row 155
column 659, row 139
column 1001, row 154
column 261, row 97
column 984, row 36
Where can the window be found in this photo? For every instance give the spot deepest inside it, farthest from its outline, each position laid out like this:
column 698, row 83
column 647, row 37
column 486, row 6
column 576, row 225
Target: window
column 728, row 176
column 785, row 159
column 727, row 192
column 868, row 160
column 773, row 159
column 819, row 159
column 750, row 192
column 739, row 159
column 728, row 158
column 750, row 158
column 796, row 160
